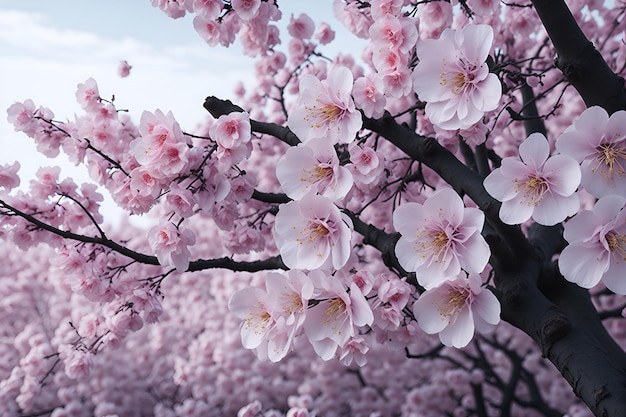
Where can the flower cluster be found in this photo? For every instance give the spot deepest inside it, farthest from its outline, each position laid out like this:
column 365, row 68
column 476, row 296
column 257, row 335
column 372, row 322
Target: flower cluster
column 273, row 317
column 441, row 241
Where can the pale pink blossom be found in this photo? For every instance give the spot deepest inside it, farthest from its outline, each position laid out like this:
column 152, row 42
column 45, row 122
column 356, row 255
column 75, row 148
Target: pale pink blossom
column 77, row 361
column 367, row 164
column 381, row 8
column 170, row 244
column 173, row 159
column 146, row 182
column 354, row 350
column 457, row 308
column 535, row 184
column 394, row 292
column 333, row 322
column 369, row 96
column 324, row 34
column 8, row 176
column 325, row 108
column 598, row 143
column 435, row 17
column 253, row 409
column 364, row 280
column 440, row 237
column 313, row 167
column 22, row 117
column 244, row 239
column 173, row 8
column 88, row 95
column 123, row 69
column 597, row 246
column 312, row 231
column 453, row 78
column 484, row 7
column 246, row 9
column 231, row 130
column 158, row 131
column 398, row 34
column 232, row 133
column 352, row 17
column 398, row 83
column 209, row 9
column 210, row 30
column 181, row 201
column 301, row 27
column 272, row 318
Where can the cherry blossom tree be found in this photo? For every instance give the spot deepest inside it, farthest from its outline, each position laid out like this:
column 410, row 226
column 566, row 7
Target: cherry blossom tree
column 432, row 227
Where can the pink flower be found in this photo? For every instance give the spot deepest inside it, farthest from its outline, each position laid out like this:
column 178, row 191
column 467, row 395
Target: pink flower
column 597, row 246
column 535, row 184
column 181, row 201
column 367, row 164
column 381, row 8
column 173, row 8
column 232, row 133
column 440, row 237
column 332, row 323
column 388, row 31
column 246, row 9
column 484, row 7
column 310, row 232
column 169, row 243
column 210, row 30
column 272, row 318
column 209, row 9
column 8, row 176
column 302, row 27
column 598, row 142
column 22, row 117
column 324, row 34
column 157, row 130
column 368, row 96
column 123, row 69
column 325, row 108
column 352, row 17
column 77, row 361
column 354, row 350
column 313, row 167
column 453, row 78
column 455, row 309
column 88, row 95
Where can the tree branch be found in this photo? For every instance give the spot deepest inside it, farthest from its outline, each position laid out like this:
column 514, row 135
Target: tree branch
column 579, row 60
column 274, row 262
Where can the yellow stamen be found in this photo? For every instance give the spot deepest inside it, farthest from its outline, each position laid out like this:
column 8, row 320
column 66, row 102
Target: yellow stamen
column 610, row 160
column 617, row 245
column 434, row 244
column 534, row 189
column 259, row 319
column 454, row 304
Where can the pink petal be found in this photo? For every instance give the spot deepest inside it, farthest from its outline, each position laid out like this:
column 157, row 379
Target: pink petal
column 554, row 209
column 459, row 333
column 584, row 264
column 534, row 151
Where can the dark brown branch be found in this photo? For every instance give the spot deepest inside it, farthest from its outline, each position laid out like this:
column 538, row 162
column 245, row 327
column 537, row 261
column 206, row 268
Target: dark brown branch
column 274, row 262
column 579, row 60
